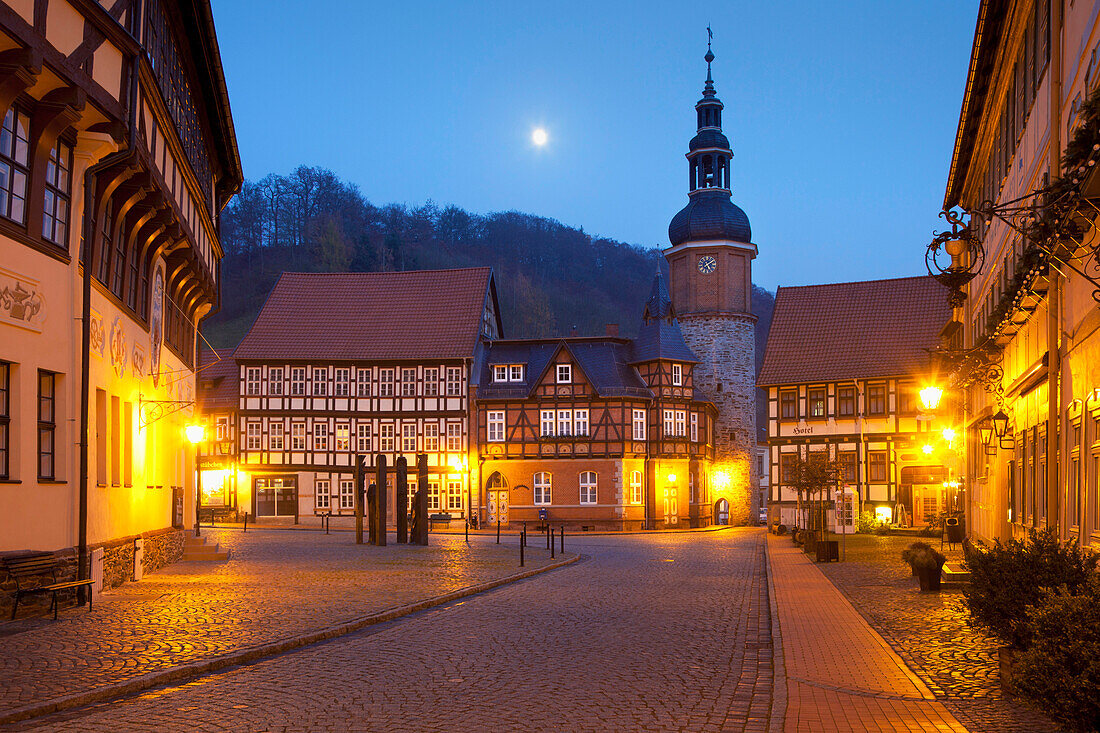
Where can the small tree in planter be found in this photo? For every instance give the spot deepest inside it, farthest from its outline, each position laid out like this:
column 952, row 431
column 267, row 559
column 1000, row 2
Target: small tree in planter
column 812, row 480
column 926, row 564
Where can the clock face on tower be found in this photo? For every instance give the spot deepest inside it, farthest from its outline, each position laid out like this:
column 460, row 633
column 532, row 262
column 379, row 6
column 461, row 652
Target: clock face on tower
column 707, row 264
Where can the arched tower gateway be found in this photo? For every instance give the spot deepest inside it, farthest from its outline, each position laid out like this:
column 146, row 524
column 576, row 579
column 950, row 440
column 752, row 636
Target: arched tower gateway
column 710, row 265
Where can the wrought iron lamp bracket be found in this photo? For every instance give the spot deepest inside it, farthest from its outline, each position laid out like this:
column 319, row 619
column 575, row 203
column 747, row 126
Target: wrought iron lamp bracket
column 150, row 411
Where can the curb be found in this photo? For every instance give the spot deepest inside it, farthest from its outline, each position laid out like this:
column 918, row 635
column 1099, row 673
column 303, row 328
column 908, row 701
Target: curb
column 778, row 713
column 255, row 653
column 492, row 533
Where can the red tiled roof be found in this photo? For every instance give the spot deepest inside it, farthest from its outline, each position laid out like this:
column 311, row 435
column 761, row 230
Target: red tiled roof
column 421, row 314
column 217, row 367
column 875, row 328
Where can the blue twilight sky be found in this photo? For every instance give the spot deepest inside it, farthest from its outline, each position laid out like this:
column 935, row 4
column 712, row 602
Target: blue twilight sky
column 841, row 115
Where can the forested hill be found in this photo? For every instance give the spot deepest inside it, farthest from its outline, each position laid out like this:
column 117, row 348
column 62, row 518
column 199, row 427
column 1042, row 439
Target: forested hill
column 550, row 277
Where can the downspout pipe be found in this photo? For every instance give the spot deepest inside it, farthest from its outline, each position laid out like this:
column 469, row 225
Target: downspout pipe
column 90, row 177
column 1054, row 364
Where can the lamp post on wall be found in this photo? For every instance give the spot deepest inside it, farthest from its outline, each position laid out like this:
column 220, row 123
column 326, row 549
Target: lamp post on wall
column 196, row 434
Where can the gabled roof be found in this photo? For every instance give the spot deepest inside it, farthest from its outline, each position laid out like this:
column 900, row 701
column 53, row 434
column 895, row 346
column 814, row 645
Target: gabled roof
column 603, row 361
column 217, row 369
column 858, row 330
column 375, row 316
column 659, row 336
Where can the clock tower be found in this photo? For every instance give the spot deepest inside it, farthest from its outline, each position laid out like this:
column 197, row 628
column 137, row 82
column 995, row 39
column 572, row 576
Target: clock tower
column 710, row 271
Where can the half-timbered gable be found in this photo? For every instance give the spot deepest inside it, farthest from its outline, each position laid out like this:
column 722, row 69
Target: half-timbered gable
column 342, row 365
column 572, row 430
column 842, row 370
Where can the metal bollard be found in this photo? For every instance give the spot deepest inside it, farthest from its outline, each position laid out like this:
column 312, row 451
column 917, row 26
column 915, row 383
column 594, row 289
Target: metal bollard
column 498, row 527
column 550, row 534
column 522, row 542
column 563, row 539
column 246, row 521
column 467, row 530
column 525, row 534
column 548, row 530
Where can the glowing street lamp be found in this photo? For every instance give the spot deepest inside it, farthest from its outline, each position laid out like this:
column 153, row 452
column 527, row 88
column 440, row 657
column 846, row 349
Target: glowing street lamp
column 930, row 397
column 196, row 434
column 928, row 449
column 948, row 435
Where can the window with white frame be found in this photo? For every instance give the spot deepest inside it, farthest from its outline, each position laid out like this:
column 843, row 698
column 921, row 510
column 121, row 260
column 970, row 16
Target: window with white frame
column 669, row 423
column 691, row 486
column 320, row 381
column 347, row 494
column 408, row 437
column 297, row 381
column 565, row 422
column 385, row 382
column 580, row 422
column 431, row 382
column 635, row 487
column 542, row 487
column 297, row 436
column 564, row 373
column 515, row 372
column 454, row 496
column 387, row 438
column 255, row 436
column 363, row 442
column 454, row 436
column 320, row 436
column 362, row 382
column 252, row 380
column 275, row 436
column 433, row 496
column 694, row 427
column 343, row 436
column 431, row 437
column 496, row 426
column 546, row 421
column 322, row 490
column 408, row 383
column 410, row 486
column 500, row 372
column 221, row 430
column 588, row 487
column 681, row 417
column 677, row 374
column 275, row 381
column 639, row 424
column 454, row 382
column 343, row 381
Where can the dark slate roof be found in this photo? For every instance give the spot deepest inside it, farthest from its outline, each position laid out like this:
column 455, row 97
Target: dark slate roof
column 709, row 138
column 604, row 361
column 859, row 330
column 659, row 336
column 218, row 370
column 420, row 314
column 710, row 215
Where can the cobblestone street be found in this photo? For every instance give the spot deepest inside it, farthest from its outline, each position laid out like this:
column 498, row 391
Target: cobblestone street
column 276, row 586
column 929, row 631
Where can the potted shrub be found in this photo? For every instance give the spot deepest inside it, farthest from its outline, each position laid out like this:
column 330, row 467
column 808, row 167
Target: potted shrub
column 1010, row 577
column 926, row 564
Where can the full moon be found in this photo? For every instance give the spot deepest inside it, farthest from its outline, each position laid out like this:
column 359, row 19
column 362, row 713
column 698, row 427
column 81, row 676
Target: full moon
column 538, row 136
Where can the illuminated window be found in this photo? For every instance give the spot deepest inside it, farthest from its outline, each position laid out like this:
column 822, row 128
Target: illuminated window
column 635, row 487
column 343, row 436
column 816, row 402
column 454, row 496
column 588, row 487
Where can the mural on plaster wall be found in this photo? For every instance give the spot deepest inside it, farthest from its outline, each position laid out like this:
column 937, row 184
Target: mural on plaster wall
column 137, row 359
column 118, row 347
column 155, row 332
column 21, row 303
column 99, row 338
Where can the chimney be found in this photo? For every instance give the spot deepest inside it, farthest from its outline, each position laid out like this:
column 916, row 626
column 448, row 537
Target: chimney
column 611, row 329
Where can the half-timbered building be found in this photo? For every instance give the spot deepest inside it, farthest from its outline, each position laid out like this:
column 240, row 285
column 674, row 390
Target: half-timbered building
column 596, row 432
column 339, row 365
column 117, row 152
column 218, row 401
column 842, row 370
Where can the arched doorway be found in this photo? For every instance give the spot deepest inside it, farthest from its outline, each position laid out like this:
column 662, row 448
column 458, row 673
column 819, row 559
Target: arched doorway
column 722, row 512
column 497, row 490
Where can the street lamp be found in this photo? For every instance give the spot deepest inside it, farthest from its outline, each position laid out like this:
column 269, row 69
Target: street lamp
column 1000, row 428
column 930, row 397
column 196, row 434
column 985, row 431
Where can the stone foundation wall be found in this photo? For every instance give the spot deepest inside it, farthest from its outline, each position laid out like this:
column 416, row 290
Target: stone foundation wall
column 162, row 547
column 726, row 347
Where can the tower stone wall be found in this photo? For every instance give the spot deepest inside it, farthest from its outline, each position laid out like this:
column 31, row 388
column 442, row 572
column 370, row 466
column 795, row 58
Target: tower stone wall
column 726, row 346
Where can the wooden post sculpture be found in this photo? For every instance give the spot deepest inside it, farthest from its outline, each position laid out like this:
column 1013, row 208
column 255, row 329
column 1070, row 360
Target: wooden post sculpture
column 421, row 508
column 372, row 514
column 360, row 496
column 380, row 503
column 414, row 529
column 401, row 501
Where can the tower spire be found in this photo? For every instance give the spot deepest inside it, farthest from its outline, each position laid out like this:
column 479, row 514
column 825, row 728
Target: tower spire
column 708, row 90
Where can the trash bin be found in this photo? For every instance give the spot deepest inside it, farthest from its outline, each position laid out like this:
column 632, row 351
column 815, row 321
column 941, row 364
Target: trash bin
column 954, row 530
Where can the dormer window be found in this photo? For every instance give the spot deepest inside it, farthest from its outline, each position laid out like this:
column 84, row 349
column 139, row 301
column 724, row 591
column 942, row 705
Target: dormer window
column 565, row 373
column 515, row 373
column 677, row 374
column 500, row 372
column 508, row 372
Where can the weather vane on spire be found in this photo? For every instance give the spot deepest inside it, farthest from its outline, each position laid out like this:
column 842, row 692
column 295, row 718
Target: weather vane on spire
column 710, row 37
column 708, row 58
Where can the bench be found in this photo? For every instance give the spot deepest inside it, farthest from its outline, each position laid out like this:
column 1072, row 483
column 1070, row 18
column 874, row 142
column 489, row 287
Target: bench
column 433, row 518
column 24, row 570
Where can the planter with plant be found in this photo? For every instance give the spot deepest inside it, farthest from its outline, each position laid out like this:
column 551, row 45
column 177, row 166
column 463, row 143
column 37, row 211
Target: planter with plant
column 926, row 564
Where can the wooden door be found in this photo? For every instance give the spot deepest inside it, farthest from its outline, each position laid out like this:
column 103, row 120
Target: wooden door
column 498, row 505
column 672, row 508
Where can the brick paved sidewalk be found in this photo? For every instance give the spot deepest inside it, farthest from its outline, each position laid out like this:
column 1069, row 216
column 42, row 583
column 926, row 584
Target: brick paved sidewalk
column 277, row 586
column 930, row 632
column 839, row 673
